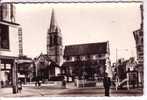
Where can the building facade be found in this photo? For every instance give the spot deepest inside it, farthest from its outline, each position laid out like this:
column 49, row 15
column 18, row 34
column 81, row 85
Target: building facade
column 20, row 41
column 138, row 36
column 45, row 68
column 9, row 49
column 86, row 61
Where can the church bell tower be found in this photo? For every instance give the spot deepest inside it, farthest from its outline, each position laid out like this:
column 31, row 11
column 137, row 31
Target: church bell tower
column 54, row 41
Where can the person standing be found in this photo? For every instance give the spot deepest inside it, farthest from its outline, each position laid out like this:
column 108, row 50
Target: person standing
column 107, row 84
column 64, row 83
column 19, row 86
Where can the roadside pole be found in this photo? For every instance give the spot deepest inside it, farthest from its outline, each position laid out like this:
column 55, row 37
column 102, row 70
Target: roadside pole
column 0, row 74
column 14, row 77
column 128, row 87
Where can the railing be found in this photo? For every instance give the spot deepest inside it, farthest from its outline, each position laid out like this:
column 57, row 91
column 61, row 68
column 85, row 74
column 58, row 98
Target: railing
column 99, row 82
column 119, row 83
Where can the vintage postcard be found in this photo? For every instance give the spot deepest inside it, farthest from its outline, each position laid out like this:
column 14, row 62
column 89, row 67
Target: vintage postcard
column 72, row 49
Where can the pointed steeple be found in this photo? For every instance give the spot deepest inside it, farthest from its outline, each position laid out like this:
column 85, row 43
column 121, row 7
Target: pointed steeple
column 54, row 40
column 53, row 24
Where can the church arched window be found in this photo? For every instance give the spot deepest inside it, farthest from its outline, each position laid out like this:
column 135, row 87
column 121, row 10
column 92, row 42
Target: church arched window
column 51, row 40
column 55, row 40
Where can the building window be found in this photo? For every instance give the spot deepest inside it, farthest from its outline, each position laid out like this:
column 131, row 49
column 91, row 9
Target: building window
column 100, row 55
column 1, row 12
column 88, row 57
column 78, row 58
column 83, row 58
column 4, row 36
column 70, row 70
column 51, row 40
column 73, row 58
column 141, row 33
column 142, row 40
column 59, row 40
column 140, row 48
column 8, row 66
column 94, row 57
column 68, row 58
column 102, row 61
column 55, row 40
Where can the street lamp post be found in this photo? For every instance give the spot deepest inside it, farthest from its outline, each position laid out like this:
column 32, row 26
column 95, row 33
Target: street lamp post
column 14, row 77
column 116, row 55
column 36, row 70
column 83, row 76
column 0, row 73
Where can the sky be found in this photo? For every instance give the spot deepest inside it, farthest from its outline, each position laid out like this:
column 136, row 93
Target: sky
column 81, row 23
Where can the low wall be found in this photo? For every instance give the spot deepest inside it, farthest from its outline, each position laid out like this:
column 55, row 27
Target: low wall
column 57, row 84
column 84, row 83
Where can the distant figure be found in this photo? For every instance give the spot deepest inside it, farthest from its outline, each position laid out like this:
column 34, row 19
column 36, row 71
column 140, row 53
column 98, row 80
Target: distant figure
column 39, row 83
column 64, row 83
column 107, row 84
column 134, row 81
column 36, row 84
column 2, row 84
column 19, row 86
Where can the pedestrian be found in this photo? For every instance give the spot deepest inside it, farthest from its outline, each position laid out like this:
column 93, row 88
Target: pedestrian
column 39, row 83
column 107, row 84
column 2, row 84
column 19, row 86
column 64, row 83
column 134, row 81
column 36, row 84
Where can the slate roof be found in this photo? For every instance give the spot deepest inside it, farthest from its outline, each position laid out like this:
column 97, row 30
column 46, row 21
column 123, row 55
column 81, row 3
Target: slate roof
column 86, row 49
column 47, row 58
column 92, row 62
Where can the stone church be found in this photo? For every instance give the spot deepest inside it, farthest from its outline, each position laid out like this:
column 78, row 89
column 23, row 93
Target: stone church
column 48, row 66
column 76, row 58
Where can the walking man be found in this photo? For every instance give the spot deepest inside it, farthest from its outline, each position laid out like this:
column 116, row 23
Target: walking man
column 107, row 84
